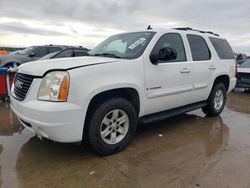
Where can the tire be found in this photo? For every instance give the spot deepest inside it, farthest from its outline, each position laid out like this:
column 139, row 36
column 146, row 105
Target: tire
column 105, row 123
column 214, row 108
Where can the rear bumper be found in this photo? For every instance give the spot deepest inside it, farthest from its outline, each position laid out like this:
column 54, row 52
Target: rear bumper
column 61, row 122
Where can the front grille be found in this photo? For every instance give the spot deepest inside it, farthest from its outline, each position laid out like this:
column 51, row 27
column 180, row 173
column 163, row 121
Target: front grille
column 22, row 85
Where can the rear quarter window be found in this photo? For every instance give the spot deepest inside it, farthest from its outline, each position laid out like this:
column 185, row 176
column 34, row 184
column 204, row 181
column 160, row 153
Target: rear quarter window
column 199, row 48
column 222, row 48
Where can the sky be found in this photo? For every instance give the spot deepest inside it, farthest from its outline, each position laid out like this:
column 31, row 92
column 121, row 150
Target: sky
column 88, row 22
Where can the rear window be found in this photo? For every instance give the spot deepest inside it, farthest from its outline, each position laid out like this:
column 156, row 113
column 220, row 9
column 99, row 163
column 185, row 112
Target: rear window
column 222, row 48
column 199, row 48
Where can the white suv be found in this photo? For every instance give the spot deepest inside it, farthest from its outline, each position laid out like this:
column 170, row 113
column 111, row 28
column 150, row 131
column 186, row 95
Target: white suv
column 147, row 76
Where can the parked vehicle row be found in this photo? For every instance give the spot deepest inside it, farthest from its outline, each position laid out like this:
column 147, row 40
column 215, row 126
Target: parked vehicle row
column 34, row 53
column 139, row 76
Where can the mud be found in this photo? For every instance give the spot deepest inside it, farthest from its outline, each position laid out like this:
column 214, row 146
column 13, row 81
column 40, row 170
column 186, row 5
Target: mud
column 189, row 150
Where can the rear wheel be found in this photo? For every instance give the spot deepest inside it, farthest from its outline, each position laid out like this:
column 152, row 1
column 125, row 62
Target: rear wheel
column 111, row 126
column 216, row 101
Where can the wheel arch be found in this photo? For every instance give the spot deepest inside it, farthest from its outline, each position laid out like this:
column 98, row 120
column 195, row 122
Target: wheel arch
column 129, row 93
column 222, row 79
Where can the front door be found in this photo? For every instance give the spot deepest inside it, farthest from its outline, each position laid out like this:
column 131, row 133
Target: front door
column 169, row 83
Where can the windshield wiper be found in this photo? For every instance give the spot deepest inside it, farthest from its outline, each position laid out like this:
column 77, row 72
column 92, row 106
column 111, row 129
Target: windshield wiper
column 107, row 54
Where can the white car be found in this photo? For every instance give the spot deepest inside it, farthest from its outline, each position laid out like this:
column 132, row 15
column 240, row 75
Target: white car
column 147, row 75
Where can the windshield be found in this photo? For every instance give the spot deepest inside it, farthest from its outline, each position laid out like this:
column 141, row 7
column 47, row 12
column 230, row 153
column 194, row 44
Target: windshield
column 26, row 51
column 245, row 64
column 127, row 46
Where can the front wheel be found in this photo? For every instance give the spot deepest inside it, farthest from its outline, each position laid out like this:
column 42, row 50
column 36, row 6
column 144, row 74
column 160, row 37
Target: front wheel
column 111, row 126
column 216, row 101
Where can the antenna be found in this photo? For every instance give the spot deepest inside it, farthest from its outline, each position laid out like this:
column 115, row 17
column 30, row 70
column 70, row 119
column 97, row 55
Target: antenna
column 149, row 27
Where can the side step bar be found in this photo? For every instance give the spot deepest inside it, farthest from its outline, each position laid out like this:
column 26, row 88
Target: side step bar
column 159, row 116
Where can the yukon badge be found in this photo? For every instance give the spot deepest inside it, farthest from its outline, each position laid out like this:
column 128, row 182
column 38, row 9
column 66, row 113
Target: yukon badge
column 18, row 84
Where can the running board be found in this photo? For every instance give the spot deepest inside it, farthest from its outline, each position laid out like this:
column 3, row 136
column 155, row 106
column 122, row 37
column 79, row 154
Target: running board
column 159, row 116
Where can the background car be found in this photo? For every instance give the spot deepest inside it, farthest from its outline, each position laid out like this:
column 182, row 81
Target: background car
column 69, row 52
column 29, row 54
column 243, row 76
column 240, row 58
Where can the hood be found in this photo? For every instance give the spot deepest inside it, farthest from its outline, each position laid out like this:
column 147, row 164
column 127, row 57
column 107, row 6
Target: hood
column 39, row 68
column 12, row 58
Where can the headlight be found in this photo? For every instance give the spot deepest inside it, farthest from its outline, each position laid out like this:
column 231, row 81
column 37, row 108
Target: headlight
column 54, row 86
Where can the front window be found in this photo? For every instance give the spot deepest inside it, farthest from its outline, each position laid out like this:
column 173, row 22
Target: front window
column 26, row 51
column 126, row 46
column 174, row 41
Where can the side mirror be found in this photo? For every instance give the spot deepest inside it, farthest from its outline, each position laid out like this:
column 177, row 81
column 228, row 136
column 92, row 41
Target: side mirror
column 154, row 58
column 32, row 54
column 165, row 54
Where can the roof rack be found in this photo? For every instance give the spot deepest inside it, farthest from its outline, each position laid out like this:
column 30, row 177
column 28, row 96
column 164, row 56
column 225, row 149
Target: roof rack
column 190, row 29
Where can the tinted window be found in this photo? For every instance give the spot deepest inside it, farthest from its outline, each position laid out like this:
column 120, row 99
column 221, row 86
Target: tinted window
column 80, row 53
column 199, row 48
column 54, row 49
column 40, row 51
column 222, row 48
column 171, row 40
column 66, row 53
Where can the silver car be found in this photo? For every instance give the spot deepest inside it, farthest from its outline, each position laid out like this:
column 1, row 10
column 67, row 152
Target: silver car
column 28, row 54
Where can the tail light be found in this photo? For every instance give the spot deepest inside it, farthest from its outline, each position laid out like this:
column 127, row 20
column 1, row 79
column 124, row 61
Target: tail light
column 236, row 68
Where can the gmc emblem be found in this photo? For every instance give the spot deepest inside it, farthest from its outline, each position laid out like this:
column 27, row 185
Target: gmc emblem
column 18, row 84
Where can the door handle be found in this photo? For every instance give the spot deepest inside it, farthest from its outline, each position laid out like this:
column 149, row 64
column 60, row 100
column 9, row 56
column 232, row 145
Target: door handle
column 212, row 67
column 185, row 70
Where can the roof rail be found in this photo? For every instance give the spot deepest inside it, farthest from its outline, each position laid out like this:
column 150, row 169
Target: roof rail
column 190, row 29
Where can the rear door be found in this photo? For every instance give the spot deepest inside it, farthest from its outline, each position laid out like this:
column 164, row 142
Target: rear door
column 203, row 66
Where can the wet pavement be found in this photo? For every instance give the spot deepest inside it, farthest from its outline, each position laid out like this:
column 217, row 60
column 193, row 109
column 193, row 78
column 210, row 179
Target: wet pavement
column 189, row 150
